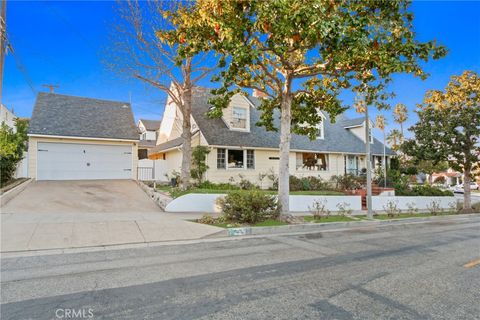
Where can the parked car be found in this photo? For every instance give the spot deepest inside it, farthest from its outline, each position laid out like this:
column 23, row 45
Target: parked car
column 459, row 187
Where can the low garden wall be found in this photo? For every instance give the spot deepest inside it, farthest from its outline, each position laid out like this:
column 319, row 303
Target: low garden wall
column 420, row 203
column 195, row 202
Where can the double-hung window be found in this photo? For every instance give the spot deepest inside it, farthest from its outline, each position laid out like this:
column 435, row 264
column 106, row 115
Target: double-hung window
column 239, row 117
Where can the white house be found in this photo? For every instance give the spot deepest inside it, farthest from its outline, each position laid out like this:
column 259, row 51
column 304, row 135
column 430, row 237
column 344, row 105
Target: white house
column 7, row 117
column 239, row 148
column 149, row 131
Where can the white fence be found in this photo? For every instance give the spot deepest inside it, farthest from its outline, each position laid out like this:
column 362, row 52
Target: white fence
column 195, row 202
column 151, row 170
column 420, row 203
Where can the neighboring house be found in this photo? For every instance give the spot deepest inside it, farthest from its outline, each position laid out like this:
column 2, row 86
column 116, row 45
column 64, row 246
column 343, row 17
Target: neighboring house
column 7, row 117
column 149, row 130
column 76, row 138
column 239, row 148
column 450, row 177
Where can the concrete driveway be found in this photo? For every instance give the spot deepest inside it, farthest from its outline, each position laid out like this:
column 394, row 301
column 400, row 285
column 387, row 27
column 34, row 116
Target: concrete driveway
column 94, row 196
column 73, row 214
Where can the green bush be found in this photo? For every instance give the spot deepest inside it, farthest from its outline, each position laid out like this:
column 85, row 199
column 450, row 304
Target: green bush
column 425, row 190
column 346, row 182
column 307, row 184
column 12, row 146
column 217, row 186
column 250, row 206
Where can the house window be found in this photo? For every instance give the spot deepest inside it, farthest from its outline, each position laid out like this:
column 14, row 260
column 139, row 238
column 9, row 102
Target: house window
column 320, row 130
column 239, row 117
column 142, row 154
column 250, row 159
column 312, row 161
column 221, row 158
column 235, row 159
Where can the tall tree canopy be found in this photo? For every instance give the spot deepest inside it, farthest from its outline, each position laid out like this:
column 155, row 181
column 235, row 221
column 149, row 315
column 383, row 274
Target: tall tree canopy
column 301, row 54
column 449, row 128
column 139, row 49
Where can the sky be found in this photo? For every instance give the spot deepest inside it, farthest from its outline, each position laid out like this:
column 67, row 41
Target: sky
column 56, row 42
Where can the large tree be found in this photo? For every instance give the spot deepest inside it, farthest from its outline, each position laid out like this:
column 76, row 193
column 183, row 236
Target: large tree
column 300, row 54
column 449, row 128
column 140, row 50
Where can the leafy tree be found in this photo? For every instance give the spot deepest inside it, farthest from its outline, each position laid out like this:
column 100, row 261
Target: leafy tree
column 301, row 54
column 199, row 166
column 140, row 50
column 394, row 138
column 400, row 115
column 12, row 147
column 380, row 123
column 449, row 128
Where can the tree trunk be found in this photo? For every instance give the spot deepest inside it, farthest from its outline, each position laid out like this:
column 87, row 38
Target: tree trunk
column 467, row 204
column 186, row 139
column 285, row 137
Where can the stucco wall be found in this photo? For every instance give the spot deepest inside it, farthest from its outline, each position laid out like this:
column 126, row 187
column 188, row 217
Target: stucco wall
column 32, row 151
column 195, row 202
column 421, row 203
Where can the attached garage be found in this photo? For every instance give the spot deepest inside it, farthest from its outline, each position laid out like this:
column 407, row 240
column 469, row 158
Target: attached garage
column 69, row 161
column 74, row 138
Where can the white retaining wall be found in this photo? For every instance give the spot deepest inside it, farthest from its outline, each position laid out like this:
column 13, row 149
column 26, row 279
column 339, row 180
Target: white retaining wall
column 421, row 203
column 195, row 202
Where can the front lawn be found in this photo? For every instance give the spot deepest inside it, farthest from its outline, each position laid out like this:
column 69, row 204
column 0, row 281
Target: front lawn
column 175, row 193
column 332, row 218
column 266, row 223
column 414, row 215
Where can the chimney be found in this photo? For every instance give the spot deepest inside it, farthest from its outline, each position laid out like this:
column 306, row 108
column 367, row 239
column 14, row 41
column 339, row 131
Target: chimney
column 259, row 94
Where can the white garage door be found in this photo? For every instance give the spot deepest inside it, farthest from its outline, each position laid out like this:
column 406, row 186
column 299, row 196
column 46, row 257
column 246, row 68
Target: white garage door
column 69, row 161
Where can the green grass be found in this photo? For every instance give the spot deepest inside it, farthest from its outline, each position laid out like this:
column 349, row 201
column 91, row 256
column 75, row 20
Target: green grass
column 266, row 223
column 414, row 215
column 175, row 193
column 332, row 218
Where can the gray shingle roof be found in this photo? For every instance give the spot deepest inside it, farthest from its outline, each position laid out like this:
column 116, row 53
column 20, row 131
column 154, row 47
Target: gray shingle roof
column 151, row 125
column 166, row 145
column 346, row 123
column 216, row 132
column 147, row 143
column 62, row 115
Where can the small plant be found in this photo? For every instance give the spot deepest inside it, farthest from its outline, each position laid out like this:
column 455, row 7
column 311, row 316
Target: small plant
column 261, row 177
column 434, row 207
column 173, row 177
column 250, row 206
column 318, row 209
column 412, row 208
column 199, row 166
column 391, row 208
column 344, row 209
column 207, row 219
column 273, row 177
column 453, row 206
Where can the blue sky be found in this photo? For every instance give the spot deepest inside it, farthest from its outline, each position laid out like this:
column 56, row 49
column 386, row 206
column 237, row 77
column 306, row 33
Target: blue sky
column 61, row 43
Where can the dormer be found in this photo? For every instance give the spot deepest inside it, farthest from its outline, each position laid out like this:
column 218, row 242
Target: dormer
column 357, row 127
column 237, row 115
column 148, row 129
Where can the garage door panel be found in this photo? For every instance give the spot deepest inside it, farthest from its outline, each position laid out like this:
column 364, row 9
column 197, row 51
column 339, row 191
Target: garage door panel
column 68, row 161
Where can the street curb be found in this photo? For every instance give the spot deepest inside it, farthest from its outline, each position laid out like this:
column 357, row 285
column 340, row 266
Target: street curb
column 311, row 227
column 12, row 193
column 319, row 227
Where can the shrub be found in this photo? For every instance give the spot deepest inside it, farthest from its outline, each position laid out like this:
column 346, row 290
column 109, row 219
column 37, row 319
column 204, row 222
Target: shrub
column 434, row 207
column 217, row 186
column 318, row 209
column 207, row 219
column 12, row 146
column 440, row 180
column 344, row 182
column 425, row 190
column 476, row 207
column 412, row 208
column 391, row 208
column 199, row 166
column 250, row 206
column 344, row 209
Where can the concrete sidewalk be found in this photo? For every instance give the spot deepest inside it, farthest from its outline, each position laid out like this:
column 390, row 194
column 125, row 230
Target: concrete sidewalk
column 41, row 231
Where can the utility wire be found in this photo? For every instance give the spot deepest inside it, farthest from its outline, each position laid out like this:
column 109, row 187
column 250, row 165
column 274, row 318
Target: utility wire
column 21, row 67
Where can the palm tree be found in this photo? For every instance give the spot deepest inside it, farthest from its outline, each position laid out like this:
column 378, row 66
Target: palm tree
column 395, row 138
column 400, row 115
column 380, row 123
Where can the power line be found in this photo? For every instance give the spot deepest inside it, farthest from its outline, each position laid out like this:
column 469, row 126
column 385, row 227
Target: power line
column 21, row 67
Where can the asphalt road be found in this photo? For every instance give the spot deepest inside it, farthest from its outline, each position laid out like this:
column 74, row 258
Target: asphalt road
column 403, row 272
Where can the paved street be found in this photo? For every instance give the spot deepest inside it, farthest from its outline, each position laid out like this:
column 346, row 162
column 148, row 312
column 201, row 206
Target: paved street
column 417, row 271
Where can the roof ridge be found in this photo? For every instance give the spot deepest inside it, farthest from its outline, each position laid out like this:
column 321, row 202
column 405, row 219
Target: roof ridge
column 81, row 97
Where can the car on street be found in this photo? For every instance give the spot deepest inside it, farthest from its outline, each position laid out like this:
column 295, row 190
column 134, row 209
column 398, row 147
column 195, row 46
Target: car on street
column 459, row 187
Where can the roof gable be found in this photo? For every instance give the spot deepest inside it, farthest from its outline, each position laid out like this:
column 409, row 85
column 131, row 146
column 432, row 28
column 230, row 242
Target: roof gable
column 62, row 115
column 151, row 125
